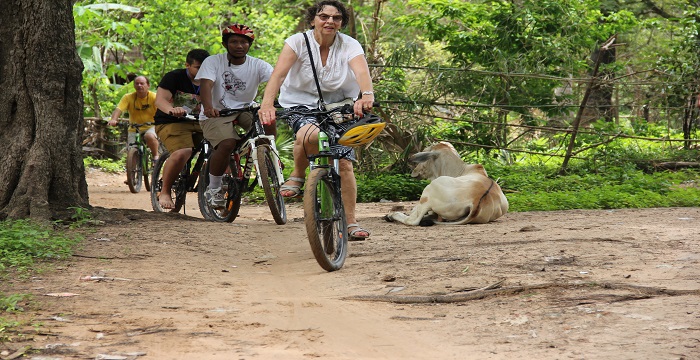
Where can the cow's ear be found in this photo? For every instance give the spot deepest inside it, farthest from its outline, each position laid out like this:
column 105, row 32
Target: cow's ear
column 422, row 157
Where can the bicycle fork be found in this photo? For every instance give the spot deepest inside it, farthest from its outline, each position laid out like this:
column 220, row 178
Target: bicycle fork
column 254, row 154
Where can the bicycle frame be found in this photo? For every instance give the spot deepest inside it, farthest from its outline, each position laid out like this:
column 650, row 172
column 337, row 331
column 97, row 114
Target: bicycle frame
column 141, row 146
column 321, row 161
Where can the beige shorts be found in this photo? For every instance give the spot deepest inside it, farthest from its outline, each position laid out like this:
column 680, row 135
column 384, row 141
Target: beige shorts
column 219, row 129
column 180, row 135
column 131, row 137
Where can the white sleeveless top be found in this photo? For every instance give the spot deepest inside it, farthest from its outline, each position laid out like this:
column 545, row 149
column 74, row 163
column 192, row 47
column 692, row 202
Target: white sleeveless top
column 337, row 81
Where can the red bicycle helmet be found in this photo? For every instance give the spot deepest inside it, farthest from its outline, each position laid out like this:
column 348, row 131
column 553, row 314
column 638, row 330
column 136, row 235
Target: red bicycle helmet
column 239, row 29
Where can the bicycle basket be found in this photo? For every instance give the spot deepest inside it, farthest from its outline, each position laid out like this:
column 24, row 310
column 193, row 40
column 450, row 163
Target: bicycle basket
column 362, row 132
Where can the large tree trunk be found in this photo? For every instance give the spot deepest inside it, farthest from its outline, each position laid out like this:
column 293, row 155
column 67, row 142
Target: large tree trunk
column 41, row 112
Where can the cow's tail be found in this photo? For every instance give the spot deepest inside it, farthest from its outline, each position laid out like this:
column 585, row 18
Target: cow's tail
column 472, row 214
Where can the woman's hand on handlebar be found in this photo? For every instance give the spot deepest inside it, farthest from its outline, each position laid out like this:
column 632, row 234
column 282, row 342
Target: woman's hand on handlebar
column 267, row 114
column 363, row 105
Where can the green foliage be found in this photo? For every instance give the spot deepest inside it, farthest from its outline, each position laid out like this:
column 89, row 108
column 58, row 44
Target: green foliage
column 153, row 37
column 394, row 187
column 6, row 329
column 107, row 165
column 541, row 37
column 10, row 303
column 23, row 242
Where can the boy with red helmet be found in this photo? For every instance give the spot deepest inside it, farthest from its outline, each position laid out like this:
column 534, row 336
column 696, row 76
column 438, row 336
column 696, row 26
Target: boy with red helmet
column 229, row 81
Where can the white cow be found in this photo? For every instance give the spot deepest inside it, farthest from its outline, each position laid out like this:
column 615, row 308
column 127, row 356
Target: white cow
column 459, row 193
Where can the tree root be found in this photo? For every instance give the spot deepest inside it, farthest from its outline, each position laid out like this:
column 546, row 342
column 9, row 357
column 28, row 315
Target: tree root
column 496, row 290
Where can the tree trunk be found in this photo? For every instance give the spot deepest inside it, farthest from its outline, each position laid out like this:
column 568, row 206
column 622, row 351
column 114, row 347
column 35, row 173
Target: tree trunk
column 600, row 104
column 41, row 115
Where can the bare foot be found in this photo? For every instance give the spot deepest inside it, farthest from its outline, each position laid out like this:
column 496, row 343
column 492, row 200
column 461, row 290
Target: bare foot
column 165, row 201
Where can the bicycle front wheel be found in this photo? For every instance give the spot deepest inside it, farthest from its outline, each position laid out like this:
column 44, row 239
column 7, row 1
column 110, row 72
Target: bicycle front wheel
column 271, row 183
column 324, row 216
column 134, row 171
column 146, row 166
column 232, row 187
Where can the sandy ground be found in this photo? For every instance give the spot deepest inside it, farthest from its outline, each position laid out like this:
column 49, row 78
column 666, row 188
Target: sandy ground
column 619, row 284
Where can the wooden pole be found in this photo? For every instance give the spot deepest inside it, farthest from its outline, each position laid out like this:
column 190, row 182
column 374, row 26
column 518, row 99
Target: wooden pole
column 577, row 121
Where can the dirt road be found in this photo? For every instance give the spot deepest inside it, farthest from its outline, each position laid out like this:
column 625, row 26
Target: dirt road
column 617, row 284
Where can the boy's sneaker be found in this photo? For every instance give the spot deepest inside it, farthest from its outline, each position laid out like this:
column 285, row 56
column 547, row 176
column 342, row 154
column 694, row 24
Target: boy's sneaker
column 215, row 198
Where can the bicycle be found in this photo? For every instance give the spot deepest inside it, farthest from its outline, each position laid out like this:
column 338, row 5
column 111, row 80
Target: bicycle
column 188, row 180
column 324, row 214
column 254, row 152
column 138, row 161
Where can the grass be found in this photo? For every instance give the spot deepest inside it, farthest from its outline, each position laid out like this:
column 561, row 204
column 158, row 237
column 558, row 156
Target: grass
column 26, row 247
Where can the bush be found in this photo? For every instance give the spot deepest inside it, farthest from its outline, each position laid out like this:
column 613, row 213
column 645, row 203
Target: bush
column 394, row 187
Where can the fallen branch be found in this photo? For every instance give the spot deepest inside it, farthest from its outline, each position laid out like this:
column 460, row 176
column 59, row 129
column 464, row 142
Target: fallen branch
column 149, row 330
column 675, row 165
column 19, row 353
column 489, row 291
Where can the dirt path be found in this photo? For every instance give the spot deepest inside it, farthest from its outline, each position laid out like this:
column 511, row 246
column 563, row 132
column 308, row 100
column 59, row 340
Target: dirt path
column 617, row 284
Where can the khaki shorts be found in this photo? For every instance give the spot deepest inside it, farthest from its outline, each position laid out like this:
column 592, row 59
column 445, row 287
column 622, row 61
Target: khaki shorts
column 131, row 137
column 180, row 135
column 219, row 129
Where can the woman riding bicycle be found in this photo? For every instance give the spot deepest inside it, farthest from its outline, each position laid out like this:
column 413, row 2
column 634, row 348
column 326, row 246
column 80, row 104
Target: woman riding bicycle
column 342, row 73
column 229, row 81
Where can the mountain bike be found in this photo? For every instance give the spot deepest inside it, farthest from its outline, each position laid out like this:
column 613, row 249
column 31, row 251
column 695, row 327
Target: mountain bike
column 324, row 214
column 255, row 152
column 138, row 161
column 188, row 180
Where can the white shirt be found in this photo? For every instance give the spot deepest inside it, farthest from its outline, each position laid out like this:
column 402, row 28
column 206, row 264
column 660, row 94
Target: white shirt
column 235, row 86
column 337, row 81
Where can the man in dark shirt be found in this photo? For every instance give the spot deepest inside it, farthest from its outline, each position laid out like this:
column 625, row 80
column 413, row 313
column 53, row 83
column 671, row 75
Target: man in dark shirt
column 178, row 96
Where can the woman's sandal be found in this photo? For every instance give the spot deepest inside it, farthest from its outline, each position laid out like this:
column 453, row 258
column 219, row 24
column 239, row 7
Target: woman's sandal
column 352, row 235
column 295, row 189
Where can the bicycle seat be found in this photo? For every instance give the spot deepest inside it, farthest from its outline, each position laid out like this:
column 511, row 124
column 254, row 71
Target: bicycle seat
column 363, row 131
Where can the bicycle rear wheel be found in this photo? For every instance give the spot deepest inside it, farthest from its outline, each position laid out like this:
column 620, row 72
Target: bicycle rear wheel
column 134, row 171
column 271, row 184
column 176, row 193
column 324, row 216
column 233, row 191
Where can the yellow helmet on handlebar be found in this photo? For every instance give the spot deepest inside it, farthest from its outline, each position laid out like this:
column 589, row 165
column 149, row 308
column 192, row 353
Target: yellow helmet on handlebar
column 363, row 131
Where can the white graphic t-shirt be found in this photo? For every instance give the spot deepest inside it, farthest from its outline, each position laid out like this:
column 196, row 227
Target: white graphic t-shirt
column 235, row 86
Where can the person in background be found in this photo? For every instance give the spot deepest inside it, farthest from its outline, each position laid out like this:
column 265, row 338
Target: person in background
column 228, row 81
column 343, row 73
column 140, row 105
column 176, row 97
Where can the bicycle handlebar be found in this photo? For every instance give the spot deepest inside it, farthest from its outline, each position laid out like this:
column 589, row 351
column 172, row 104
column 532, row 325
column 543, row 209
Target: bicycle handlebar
column 345, row 109
column 229, row 112
column 141, row 125
column 188, row 117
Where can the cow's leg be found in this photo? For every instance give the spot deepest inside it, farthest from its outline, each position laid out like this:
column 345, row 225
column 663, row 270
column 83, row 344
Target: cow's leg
column 417, row 214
